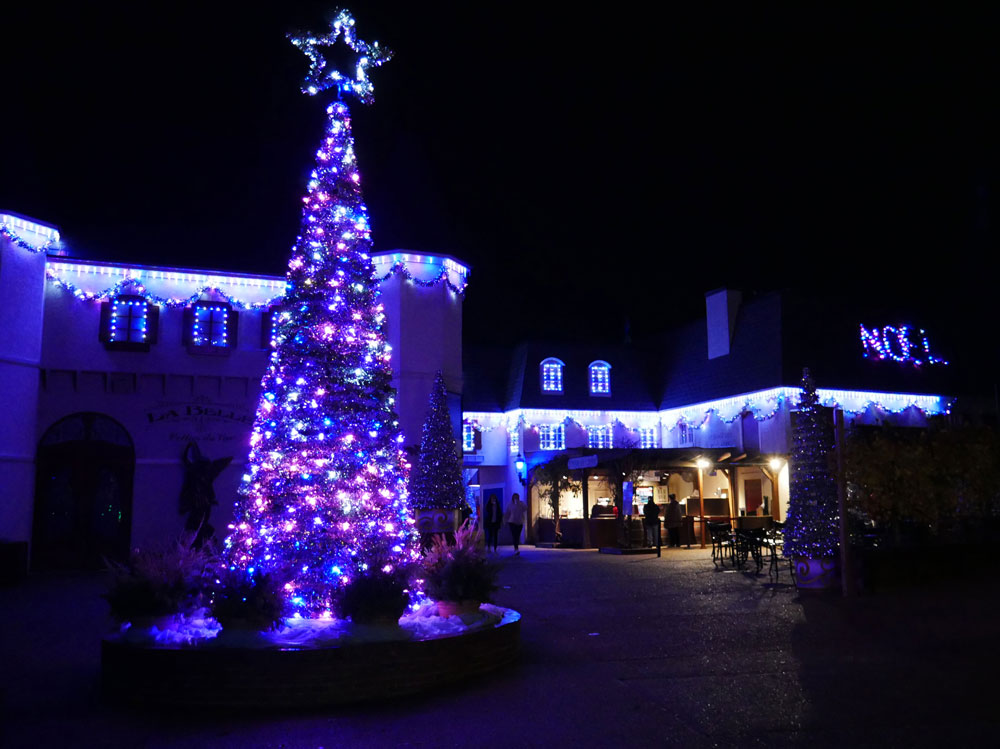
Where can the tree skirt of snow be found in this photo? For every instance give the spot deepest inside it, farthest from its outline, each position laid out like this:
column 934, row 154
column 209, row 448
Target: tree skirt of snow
column 423, row 623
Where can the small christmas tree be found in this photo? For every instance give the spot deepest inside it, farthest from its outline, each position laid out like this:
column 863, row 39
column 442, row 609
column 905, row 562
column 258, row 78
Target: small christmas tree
column 437, row 478
column 812, row 525
column 324, row 501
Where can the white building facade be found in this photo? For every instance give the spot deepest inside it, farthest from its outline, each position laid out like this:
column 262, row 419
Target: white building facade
column 110, row 371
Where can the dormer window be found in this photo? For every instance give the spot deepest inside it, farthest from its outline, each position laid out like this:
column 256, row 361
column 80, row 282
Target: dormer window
column 552, row 375
column 128, row 323
column 210, row 327
column 600, row 378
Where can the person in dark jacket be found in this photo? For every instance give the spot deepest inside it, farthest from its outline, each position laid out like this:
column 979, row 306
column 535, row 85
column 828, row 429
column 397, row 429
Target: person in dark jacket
column 651, row 519
column 492, row 519
column 673, row 520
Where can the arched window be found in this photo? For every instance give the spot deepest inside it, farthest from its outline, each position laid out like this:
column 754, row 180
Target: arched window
column 600, row 378
column 552, row 375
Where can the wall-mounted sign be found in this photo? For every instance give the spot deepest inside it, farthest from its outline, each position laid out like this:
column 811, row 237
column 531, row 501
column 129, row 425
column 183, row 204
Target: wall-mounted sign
column 899, row 343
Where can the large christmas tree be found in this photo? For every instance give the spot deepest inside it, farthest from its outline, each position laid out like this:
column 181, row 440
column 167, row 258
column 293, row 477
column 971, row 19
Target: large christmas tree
column 812, row 525
column 324, row 500
column 437, row 479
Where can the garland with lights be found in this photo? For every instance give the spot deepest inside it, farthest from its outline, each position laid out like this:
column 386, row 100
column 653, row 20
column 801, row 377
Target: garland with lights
column 135, row 288
column 401, row 270
column 812, row 523
column 8, row 231
column 437, row 477
column 324, row 501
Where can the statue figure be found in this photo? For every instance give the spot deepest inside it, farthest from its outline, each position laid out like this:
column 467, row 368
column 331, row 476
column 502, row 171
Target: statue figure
column 197, row 494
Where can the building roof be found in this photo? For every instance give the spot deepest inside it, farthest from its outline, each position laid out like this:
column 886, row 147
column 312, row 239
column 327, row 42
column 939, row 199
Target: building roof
column 773, row 337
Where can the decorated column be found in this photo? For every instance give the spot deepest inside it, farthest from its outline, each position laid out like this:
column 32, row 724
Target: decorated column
column 324, row 499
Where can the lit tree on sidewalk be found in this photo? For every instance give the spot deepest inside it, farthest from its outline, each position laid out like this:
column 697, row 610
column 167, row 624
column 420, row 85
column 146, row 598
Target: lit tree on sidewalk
column 437, row 477
column 324, row 499
column 811, row 527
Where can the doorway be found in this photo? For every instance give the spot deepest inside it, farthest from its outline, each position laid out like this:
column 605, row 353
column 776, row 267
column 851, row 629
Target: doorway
column 85, row 466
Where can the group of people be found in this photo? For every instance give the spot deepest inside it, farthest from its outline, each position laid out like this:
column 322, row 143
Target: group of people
column 494, row 516
column 673, row 518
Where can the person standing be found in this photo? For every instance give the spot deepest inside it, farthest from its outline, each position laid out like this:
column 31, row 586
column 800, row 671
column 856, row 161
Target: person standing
column 515, row 519
column 651, row 519
column 673, row 519
column 492, row 519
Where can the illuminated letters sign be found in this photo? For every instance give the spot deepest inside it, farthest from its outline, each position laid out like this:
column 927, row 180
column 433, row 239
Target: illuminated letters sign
column 898, row 343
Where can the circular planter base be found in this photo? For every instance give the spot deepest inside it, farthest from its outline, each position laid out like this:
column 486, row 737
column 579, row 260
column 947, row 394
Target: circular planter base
column 815, row 574
column 237, row 677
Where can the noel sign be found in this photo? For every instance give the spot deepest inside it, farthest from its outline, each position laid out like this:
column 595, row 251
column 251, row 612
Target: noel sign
column 899, row 343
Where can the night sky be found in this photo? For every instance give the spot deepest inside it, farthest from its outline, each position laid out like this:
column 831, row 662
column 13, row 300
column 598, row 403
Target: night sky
column 591, row 166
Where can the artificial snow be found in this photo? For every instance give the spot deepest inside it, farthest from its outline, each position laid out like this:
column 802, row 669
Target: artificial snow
column 423, row 623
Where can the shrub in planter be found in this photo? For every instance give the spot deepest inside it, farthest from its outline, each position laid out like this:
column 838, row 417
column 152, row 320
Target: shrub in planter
column 253, row 602
column 377, row 598
column 159, row 582
column 460, row 572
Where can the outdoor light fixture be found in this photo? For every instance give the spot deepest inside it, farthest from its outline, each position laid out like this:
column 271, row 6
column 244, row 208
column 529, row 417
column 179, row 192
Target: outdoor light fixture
column 775, row 464
column 519, row 467
column 702, row 463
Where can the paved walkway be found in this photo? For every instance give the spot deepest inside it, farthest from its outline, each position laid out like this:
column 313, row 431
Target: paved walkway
column 629, row 651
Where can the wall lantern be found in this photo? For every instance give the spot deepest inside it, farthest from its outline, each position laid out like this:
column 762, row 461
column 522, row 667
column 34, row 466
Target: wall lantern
column 519, row 467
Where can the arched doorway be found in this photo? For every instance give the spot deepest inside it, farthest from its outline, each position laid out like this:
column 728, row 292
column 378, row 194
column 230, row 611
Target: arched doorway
column 83, row 493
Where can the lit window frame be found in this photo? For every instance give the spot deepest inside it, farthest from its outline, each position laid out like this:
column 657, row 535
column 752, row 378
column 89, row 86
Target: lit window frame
column 469, row 438
column 550, row 376
column 599, row 378
column 647, row 438
column 111, row 327
column 200, row 342
column 552, row 437
column 685, row 434
column 600, row 437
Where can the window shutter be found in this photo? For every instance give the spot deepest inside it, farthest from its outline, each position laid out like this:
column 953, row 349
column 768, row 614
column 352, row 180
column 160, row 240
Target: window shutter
column 477, row 439
column 104, row 331
column 267, row 327
column 232, row 327
column 152, row 322
column 187, row 327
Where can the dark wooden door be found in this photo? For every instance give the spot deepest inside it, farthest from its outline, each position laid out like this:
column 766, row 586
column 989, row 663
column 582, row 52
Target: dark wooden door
column 83, row 495
column 753, row 494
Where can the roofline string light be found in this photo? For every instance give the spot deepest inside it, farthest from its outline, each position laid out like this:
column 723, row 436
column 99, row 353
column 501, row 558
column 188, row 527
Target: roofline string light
column 131, row 277
column 134, row 287
column 763, row 404
column 12, row 227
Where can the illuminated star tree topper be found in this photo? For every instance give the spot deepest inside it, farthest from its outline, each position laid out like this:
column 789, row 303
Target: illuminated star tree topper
column 342, row 26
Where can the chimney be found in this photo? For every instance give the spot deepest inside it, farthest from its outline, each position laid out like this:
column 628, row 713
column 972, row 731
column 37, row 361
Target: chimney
column 721, row 307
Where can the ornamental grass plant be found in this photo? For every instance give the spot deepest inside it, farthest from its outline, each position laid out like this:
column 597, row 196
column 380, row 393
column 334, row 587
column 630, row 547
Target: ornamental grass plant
column 159, row 581
column 460, row 571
